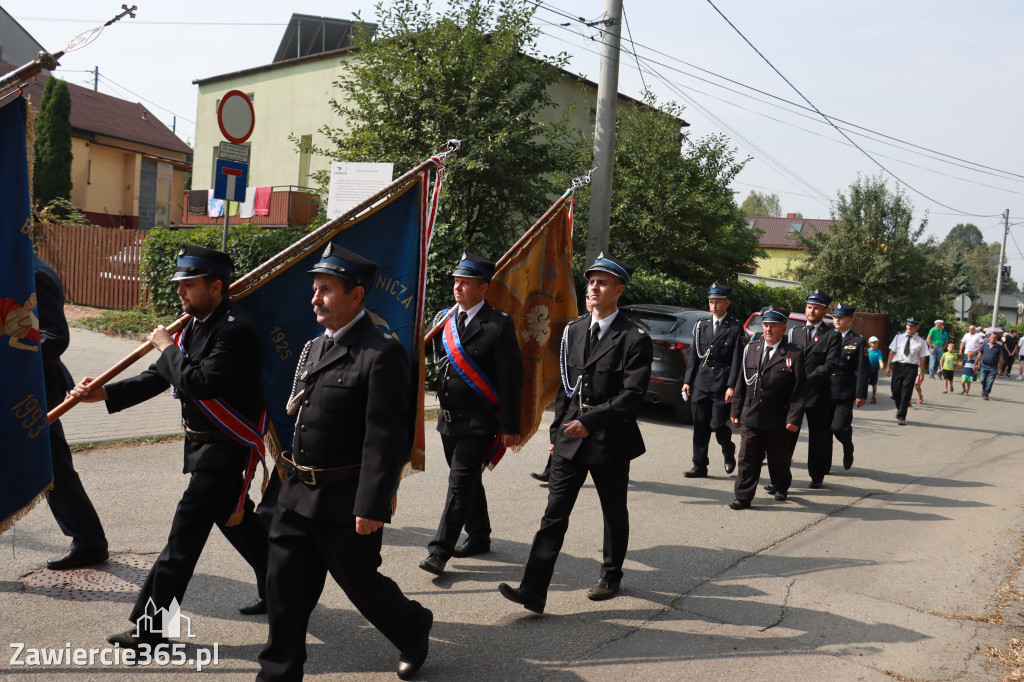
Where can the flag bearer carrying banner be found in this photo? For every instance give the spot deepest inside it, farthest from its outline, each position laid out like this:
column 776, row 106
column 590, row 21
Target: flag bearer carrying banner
column 214, row 369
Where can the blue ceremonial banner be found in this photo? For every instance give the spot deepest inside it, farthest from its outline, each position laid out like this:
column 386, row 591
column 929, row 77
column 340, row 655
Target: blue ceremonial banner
column 25, row 455
column 396, row 236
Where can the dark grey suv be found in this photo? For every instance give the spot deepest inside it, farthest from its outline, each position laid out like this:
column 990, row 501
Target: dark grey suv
column 671, row 329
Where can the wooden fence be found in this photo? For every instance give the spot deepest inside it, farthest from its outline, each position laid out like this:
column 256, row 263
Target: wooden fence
column 100, row 266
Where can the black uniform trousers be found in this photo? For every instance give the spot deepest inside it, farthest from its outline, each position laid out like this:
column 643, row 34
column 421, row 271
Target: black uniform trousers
column 904, row 374
column 302, row 551
column 819, row 439
column 209, row 499
column 567, row 477
column 466, row 504
column 842, row 422
column 755, row 446
column 71, row 507
column 710, row 415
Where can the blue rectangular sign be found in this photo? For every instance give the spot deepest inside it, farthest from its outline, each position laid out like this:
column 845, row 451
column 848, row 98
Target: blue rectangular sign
column 230, row 179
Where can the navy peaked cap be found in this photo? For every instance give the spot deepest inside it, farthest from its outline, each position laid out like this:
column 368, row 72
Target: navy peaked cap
column 340, row 262
column 474, row 266
column 197, row 261
column 819, row 297
column 843, row 309
column 612, row 265
column 717, row 290
column 774, row 313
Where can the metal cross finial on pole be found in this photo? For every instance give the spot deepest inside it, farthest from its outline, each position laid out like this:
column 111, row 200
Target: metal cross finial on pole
column 48, row 61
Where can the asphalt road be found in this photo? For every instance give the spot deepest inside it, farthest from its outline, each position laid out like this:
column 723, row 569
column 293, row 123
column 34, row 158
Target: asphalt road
column 905, row 567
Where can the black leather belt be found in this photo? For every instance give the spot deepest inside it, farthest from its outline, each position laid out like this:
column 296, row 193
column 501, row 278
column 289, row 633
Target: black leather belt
column 205, row 436
column 458, row 415
column 715, row 365
column 313, row 475
column 844, row 373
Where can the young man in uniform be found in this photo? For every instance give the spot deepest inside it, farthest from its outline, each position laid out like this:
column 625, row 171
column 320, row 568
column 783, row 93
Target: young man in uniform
column 215, row 362
column 767, row 407
column 820, row 346
column 849, row 380
column 606, row 368
column 909, row 352
column 480, row 390
column 710, row 380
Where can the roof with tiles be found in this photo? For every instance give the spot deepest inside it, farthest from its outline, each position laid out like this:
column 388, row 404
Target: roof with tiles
column 102, row 114
column 780, row 233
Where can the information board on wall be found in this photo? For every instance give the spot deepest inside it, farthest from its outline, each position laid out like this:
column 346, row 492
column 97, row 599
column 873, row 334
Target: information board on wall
column 352, row 183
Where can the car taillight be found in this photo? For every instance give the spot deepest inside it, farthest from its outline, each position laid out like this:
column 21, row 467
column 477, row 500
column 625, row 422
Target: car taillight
column 672, row 345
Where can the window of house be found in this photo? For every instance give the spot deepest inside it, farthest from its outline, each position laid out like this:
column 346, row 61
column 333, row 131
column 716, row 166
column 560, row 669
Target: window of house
column 796, row 226
column 750, row 223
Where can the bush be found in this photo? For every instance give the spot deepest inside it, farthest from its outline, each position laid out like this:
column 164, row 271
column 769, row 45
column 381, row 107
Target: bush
column 248, row 246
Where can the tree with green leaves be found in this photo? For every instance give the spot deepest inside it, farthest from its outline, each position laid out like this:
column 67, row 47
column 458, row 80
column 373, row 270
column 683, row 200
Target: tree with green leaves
column 51, row 179
column 982, row 258
column 672, row 211
column 960, row 281
column 472, row 73
column 874, row 255
column 761, row 204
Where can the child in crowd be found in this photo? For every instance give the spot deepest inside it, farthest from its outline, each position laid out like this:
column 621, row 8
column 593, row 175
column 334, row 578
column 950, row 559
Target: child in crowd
column 875, row 360
column 968, row 375
column 948, row 364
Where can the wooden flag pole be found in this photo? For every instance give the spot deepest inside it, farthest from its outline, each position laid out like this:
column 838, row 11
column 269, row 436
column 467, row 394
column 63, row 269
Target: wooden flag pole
column 266, row 268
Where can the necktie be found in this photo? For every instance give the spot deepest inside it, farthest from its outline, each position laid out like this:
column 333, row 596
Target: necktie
column 461, row 323
column 809, row 331
column 714, row 329
column 328, row 345
column 906, row 348
column 592, row 340
column 767, row 354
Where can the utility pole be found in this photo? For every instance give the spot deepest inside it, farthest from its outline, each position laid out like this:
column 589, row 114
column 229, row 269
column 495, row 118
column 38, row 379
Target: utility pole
column 96, row 78
column 604, row 131
column 999, row 273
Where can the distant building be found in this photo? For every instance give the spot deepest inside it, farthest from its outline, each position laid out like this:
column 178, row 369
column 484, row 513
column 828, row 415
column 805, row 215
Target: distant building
column 128, row 168
column 17, row 46
column 1010, row 307
column 778, row 239
column 292, row 98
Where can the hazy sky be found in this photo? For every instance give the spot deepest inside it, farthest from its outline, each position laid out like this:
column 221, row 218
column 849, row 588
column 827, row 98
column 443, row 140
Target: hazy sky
column 933, row 73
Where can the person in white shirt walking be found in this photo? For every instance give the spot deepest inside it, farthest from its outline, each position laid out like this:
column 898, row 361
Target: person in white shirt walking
column 909, row 353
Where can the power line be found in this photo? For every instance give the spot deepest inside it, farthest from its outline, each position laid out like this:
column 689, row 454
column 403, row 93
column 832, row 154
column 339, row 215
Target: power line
column 811, row 104
column 555, row 10
column 135, row 94
column 136, row 22
column 629, row 32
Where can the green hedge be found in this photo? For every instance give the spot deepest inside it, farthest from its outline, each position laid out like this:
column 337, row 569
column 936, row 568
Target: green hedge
column 248, row 246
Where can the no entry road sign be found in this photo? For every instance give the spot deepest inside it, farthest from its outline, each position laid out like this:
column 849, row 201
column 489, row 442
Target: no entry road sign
column 236, row 116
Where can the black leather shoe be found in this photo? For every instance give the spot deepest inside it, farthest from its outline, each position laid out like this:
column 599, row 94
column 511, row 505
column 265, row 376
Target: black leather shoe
column 730, row 458
column 847, row 455
column 781, row 496
column 433, row 564
column 532, row 602
column 815, row 483
column 469, row 548
column 77, row 558
column 770, row 488
column 255, row 608
column 696, row 473
column 128, row 639
column 542, row 477
column 411, row 660
column 739, row 504
column 603, row 589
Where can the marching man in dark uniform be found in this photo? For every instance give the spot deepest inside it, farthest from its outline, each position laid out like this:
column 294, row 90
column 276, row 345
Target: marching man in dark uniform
column 480, row 391
column 606, row 366
column 849, row 380
column 353, row 396
column 216, row 363
column 820, row 345
column 710, row 380
column 768, row 406
column 68, row 501
column 909, row 353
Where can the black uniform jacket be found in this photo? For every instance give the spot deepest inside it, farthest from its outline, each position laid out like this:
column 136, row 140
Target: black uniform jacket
column 719, row 370
column 851, row 376
column 490, row 340
column 776, row 398
column 615, row 378
column 54, row 336
column 356, row 409
column 223, row 362
column 821, row 357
